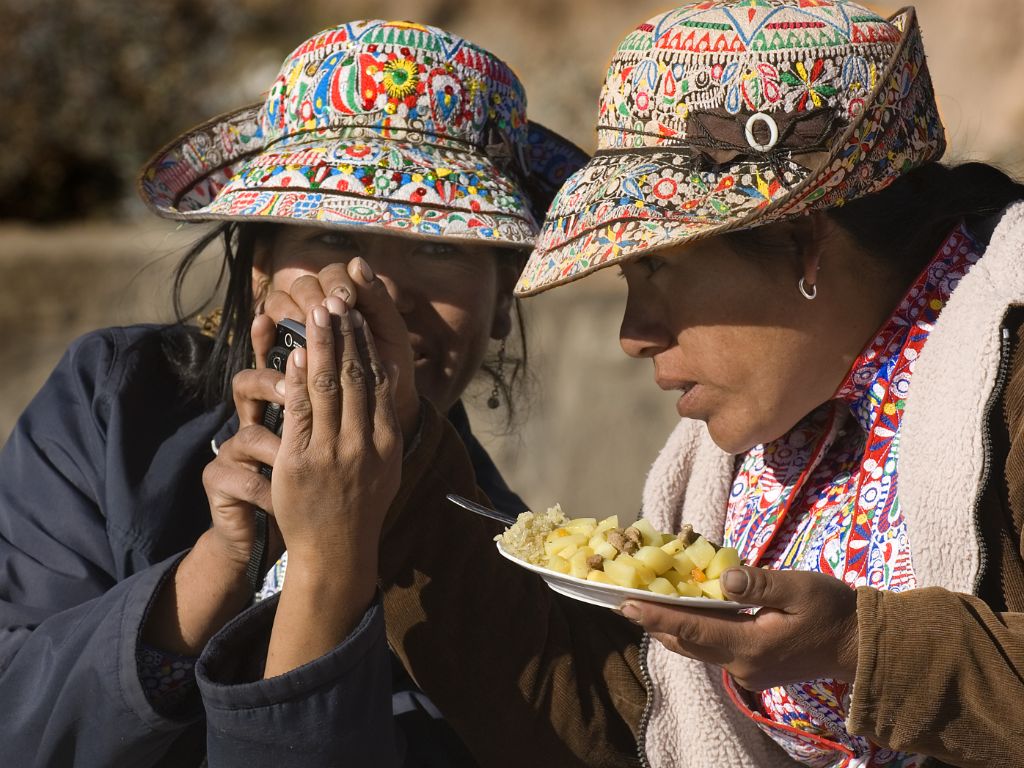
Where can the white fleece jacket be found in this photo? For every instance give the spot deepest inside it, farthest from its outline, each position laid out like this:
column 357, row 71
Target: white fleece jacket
column 693, row 724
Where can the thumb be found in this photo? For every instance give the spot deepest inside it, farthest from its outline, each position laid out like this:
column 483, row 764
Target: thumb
column 758, row 586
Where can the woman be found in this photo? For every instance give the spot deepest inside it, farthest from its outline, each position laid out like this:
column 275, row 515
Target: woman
column 394, row 153
column 803, row 272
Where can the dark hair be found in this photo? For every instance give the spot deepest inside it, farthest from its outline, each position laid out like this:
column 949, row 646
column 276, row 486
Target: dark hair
column 207, row 368
column 902, row 226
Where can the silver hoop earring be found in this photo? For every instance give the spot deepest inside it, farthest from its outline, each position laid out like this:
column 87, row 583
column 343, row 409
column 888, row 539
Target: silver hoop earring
column 810, row 295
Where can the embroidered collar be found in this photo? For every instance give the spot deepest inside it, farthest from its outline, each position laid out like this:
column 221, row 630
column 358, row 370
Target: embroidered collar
column 870, row 386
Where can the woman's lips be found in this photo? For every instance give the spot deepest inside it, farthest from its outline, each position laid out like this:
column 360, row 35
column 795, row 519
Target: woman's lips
column 687, row 403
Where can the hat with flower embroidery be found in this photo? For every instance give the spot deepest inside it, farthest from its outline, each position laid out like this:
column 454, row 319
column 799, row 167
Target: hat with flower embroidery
column 720, row 116
column 391, row 126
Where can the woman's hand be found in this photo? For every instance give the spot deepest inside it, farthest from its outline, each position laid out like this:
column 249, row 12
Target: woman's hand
column 807, row 629
column 336, row 474
column 355, row 284
column 209, row 586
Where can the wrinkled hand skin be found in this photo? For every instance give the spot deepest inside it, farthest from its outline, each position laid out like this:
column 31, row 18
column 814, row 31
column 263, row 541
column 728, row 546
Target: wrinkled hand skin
column 805, row 630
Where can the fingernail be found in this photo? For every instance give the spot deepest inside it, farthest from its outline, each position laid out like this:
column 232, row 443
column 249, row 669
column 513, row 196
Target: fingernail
column 299, row 358
column 343, row 293
column 335, row 306
column 279, row 387
column 631, row 611
column 357, row 318
column 735, row 580
column 364, row 269
column 321, row 317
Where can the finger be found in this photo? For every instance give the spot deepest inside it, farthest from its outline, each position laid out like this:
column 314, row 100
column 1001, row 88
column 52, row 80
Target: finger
column 381, row 403
column 252, row 390
column 381, row 313
column 307, row 293
column 392, row 339
column 323, row 382
column 336, row 281
column 230, row 484
column 692, row 626
column 252, row 446
column 354, row 371
column 279, row 305
column 262, row 334
column 759, row 586
column 298, row 413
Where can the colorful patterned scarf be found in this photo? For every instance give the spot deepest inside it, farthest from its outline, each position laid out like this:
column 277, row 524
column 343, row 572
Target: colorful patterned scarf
column 824, row 498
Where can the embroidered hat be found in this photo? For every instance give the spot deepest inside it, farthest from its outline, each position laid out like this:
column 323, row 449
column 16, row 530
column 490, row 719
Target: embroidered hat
column 394, row 126
column 728, row 115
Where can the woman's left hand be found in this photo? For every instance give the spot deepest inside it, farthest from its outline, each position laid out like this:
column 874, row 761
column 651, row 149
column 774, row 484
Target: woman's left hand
column 806, row 629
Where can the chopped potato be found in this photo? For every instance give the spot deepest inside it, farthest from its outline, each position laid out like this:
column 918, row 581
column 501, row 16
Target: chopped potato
column 655, row 559
column 662, row 587
column 711, row 588
column 701, row 552
column 725, row 558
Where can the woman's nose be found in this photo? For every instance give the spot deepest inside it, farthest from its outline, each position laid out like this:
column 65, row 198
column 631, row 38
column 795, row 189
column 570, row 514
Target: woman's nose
column 640, row 335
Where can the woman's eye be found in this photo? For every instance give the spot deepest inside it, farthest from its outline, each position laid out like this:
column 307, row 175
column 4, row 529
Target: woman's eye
column 440, row 250
column 650, row 264
column 338, row 240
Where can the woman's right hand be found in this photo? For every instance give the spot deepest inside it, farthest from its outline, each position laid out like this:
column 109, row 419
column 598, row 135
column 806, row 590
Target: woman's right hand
column 336, row 474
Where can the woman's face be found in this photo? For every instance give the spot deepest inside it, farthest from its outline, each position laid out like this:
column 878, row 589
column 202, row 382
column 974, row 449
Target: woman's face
column 454, row 298
column 749, row 355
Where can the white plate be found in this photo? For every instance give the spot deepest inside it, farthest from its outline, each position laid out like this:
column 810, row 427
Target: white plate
column 612, row 595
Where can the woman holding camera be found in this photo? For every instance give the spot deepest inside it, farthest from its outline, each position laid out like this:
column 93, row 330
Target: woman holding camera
column 395, row 162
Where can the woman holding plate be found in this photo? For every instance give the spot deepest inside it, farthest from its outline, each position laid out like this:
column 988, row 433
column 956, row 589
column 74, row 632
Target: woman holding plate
column 840, row 316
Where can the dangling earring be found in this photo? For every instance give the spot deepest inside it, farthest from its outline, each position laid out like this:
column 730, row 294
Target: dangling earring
column 494, row 401
column 810, row 295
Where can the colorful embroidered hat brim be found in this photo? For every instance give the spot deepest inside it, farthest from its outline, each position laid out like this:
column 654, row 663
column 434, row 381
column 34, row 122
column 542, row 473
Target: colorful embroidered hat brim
column 722, row 116
column 392, row 126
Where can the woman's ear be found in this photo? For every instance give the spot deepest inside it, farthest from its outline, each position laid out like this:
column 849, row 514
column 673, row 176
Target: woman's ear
column 810, row 234
column 507, row 275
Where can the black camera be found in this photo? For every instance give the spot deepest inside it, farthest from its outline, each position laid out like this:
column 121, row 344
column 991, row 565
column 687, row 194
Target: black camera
column 290, row 335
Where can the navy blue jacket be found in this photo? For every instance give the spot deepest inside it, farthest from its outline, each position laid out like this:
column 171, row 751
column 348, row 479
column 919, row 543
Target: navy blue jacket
column 100, row 496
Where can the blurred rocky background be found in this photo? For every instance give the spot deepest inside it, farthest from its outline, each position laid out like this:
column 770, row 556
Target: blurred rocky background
column 90, row 88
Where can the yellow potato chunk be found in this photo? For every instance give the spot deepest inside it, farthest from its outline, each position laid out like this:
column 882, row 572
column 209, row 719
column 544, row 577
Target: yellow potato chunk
column 662, row 587
column 650, row 536
column 559, row 564
column 725, row 558
column 558, row 545
column 673, row 546
column 701, row 552
column 683, row 563
column 599, row 576
column 597, row 540
column 643, row 572
column 584, row 525
column 606, row 550
column 655, row 559
column 711, row 588
column 608, row 523
column 622, row 574
column 688, row 589
column 673, row 577
column 578, row 565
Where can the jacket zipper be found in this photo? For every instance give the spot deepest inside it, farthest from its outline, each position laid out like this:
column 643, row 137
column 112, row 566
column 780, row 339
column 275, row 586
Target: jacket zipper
column 645, row 678
column 986, row 446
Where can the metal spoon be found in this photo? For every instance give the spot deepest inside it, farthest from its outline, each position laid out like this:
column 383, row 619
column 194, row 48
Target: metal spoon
column 480, row 509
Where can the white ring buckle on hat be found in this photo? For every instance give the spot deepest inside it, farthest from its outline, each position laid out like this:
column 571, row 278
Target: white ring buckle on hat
column 773, row 131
